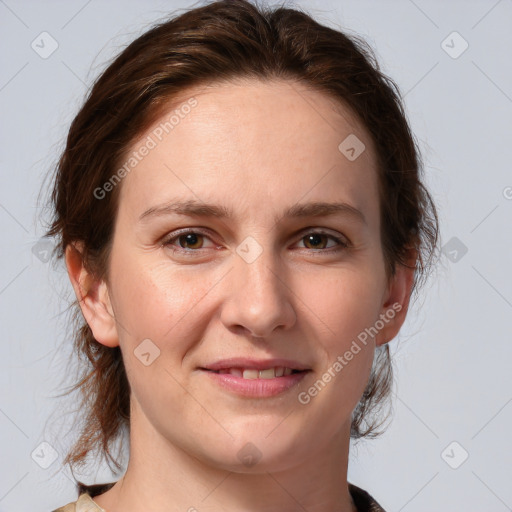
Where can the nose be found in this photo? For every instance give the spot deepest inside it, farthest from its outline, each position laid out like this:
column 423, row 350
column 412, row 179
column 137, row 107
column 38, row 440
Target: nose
column 259, row 299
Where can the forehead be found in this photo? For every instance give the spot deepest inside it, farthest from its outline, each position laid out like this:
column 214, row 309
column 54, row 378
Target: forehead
column 273, row 138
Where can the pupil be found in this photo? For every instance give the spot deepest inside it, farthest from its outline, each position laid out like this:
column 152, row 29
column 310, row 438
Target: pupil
column 313, row 238
column 190, row 239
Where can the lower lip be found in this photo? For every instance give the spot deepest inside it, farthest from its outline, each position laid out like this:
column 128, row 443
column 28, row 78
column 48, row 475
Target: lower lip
column 259, row 388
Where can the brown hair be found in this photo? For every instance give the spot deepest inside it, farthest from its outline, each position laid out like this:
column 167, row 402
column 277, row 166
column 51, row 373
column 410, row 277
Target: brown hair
column 223, row 41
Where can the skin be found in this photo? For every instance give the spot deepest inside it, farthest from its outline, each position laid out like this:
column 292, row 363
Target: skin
column 257, row 148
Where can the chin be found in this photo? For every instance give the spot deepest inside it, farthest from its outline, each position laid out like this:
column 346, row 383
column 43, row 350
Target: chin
column 258, row 454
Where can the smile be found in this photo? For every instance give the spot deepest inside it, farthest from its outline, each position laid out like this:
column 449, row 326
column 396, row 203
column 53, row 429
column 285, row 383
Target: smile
column 252, row 383
column 251, row 373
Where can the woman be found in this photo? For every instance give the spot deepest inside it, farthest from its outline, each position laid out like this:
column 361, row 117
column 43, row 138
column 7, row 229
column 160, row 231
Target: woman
column 240, row 208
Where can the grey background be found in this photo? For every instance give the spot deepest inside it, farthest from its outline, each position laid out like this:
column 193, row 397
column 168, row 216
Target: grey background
column 452, row 358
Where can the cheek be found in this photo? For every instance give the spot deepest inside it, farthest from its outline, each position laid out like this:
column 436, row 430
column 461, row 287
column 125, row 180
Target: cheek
column 146, row 296
column 345, row 311
column 345, row 301
column 163, row 302
column 153, row 303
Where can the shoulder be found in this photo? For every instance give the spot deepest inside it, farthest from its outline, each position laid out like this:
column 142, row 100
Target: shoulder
column 83, row 504
column 363, row 501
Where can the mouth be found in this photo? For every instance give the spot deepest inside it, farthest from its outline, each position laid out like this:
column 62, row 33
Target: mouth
column 254, row 373
column 256, row 378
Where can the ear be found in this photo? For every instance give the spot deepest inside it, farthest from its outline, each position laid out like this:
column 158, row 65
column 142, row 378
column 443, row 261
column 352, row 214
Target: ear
column 93, row 297
column 396, row 300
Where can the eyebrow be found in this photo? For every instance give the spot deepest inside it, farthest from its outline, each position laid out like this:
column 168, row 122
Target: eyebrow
column 193, row 208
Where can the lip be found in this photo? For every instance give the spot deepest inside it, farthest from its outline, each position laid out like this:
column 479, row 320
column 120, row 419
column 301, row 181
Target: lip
column 255, row 388
column 254, row 364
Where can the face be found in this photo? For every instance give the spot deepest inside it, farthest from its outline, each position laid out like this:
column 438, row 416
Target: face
column 249, row 268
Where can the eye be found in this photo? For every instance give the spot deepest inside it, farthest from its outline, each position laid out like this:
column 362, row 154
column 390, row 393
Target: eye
column 317, row 240
column 188, row 240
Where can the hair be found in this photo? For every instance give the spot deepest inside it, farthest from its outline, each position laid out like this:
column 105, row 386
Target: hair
column 220, row 42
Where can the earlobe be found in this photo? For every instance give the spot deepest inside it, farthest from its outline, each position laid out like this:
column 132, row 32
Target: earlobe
column 93, row 297
column 396, row 301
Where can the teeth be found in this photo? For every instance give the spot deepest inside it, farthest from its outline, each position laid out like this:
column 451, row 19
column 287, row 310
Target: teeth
column 235, row 371
column 249, row 373
column 267, row 374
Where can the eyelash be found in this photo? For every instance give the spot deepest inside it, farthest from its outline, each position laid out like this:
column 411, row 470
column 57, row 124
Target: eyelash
column 342, row 244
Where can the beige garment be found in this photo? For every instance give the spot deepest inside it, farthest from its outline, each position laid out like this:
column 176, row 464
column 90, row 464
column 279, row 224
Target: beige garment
column 84, row 504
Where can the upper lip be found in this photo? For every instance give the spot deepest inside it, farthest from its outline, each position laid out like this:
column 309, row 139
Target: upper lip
column 256, row 364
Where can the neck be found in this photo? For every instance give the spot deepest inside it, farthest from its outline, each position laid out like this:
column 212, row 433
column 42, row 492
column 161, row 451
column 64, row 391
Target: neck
column 164, row 477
